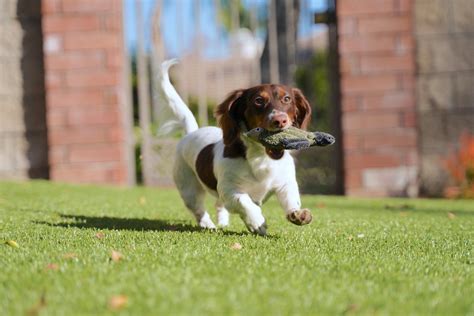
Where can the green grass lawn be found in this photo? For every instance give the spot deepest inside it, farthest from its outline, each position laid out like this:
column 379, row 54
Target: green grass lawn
column 359, row 256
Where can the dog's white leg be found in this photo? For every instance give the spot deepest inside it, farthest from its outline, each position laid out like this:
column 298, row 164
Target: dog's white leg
column 250, row 213
column 289, row 197
column 192, row 193
column 222, row 214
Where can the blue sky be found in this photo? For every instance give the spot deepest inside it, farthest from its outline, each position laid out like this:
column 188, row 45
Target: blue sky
column 208, row 23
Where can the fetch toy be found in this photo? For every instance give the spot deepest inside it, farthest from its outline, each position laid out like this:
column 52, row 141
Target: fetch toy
column 291, row 138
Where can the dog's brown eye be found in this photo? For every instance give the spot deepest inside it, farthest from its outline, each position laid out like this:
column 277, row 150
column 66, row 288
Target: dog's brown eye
column 259, row 101
column 286, row 99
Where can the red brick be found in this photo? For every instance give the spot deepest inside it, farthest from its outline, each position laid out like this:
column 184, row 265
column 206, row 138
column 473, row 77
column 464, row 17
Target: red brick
column 371, row 160
column 118, row 175
column 93, row 116
column 92, row 40
column 75, row 98
column 364, row 7
column 116, row 134
column 115, row 59
column 74, row 6
column 350, row 104
column 369, row 84
column 81, row 135
column 404, row 43
column 74, row 60
column 367, row 44
column 71, row 23
column 389, row 100
column 406, row 81
column 394, row 138
column 93, row 78
column 111, row 97
column 352, row 142
column 405, row 6
column 347, row 25
column 382, row 64
column 54, row 80
column 409, row 118
column 350, row 64
column 353, row 178
column 84, row 173
column 84, row 68
column 57, row 154
column 94, row 153
column 56, row 117
column 370, row 121
column 113, row 22
column 397, row 24
column 48, row 7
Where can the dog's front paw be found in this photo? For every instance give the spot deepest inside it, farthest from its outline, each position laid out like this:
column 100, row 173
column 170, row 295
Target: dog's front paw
column 300, row 217
column 257, row 225
column 260, row 230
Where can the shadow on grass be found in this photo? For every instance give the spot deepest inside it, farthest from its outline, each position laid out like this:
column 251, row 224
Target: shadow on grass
column 424, row 210
column 133, row 224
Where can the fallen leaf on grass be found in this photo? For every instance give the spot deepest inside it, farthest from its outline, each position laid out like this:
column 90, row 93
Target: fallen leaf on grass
column 350, row 237
column 70, row 255
column 118, row 302
column 35, row 309
column 236, row 246
column 351, row 308
column 99, row 235
column 12, row 243
column 116, row 256
column 321, row 205
column 142, row 200
column 52, row 266
column 451, row 215
column 360, row 236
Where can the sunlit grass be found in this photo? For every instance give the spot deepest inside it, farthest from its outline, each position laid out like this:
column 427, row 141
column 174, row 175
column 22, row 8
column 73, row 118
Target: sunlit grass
column 363, row 256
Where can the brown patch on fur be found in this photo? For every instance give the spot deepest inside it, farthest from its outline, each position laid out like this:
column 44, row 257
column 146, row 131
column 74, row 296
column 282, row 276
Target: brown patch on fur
column 303, row 109
column 230, row 115
column 274, row 153
column 205, row 167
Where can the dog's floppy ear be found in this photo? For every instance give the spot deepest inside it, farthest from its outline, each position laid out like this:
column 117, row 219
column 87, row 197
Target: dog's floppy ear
column 229, row 115
column 303, row 109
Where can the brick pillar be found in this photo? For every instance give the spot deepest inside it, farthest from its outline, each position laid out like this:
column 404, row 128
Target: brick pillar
column 84, row 65
column 23, row 140
column 378, row 99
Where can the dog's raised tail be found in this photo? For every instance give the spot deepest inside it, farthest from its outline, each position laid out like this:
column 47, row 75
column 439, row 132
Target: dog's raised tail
column 174, row 113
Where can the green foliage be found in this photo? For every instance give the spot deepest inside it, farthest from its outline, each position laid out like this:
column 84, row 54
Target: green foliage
column 313, row 80
column 193, row 104
column 316, row 169
column 225, row 14
column 364, row 256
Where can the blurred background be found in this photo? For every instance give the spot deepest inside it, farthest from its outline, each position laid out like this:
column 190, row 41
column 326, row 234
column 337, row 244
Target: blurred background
column 391, row 79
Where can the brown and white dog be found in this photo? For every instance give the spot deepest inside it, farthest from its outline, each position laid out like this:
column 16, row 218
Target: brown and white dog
column 235, row 169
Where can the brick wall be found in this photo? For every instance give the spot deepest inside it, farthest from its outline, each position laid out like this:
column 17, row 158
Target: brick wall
column 23, row 145
column 84, row 63
column 378, row 96
column 445, row 82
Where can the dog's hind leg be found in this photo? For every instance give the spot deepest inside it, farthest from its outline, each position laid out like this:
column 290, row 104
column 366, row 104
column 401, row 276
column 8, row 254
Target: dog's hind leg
column 193, row 194
column 222, row 214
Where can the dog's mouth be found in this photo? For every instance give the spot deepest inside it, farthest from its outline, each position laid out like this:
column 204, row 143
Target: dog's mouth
column 275, row 153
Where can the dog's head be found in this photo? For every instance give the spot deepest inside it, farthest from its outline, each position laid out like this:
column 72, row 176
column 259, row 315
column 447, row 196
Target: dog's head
column 273, row 107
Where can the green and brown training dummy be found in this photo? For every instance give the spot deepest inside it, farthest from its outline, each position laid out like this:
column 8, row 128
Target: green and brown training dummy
column 291, row 138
